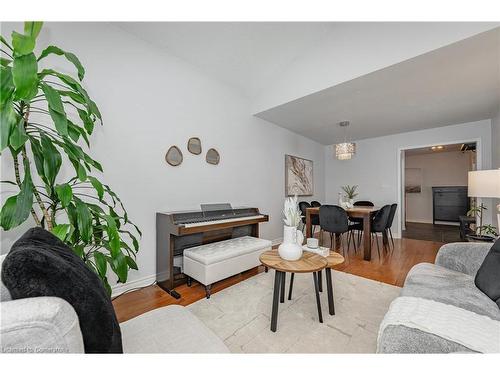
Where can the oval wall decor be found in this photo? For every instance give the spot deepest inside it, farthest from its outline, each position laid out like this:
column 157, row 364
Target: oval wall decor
column 174, row 156
column 213, row 156
column 194, row 145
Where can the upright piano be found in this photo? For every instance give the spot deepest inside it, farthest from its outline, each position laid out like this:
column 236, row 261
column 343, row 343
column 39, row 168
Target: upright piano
column 177, row 231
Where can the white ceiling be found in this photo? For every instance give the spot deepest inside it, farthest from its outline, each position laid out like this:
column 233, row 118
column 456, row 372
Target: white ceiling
column 428, row 150
column 244, row 55
column 454, row 84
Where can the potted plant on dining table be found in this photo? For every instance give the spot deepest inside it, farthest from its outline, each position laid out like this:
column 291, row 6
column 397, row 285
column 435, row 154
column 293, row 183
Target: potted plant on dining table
column 350, row 194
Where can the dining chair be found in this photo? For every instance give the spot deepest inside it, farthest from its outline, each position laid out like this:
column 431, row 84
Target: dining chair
column 315, row 204
column 364, row 203
column 334, row 220
column 390, row 220
column 358, row 220
column 379, row 224
column 303, row 206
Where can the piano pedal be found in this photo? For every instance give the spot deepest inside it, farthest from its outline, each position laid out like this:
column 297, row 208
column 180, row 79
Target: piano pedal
column 174, row 293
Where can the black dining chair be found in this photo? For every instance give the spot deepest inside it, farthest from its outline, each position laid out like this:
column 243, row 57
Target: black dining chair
column 315, row 204
column 390, row 220
column 334, row 220
column 364, row 203
column 379, row 225
column 314, row 218
column 358, row 220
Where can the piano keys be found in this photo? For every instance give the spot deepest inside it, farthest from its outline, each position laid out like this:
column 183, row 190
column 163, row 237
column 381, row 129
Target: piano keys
column 177, row 231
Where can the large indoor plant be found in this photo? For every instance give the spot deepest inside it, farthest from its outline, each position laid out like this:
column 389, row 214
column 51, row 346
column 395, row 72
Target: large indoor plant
column 45, row 115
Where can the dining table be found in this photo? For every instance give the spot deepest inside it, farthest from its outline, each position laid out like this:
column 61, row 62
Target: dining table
column 361, row 212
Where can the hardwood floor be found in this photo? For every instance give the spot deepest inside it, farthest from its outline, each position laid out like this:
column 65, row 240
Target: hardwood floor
column 391, row 269
column 432, row 232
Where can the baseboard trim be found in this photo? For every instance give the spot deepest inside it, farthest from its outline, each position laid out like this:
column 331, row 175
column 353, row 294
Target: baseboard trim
column 420, row 221
column 139, row 283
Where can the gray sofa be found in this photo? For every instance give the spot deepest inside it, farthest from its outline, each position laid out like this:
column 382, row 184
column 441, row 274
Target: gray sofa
column 450, row 281
column 50, row 325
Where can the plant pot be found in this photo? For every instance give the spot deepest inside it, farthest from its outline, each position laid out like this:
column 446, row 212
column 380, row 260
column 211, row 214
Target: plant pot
column 290, row 249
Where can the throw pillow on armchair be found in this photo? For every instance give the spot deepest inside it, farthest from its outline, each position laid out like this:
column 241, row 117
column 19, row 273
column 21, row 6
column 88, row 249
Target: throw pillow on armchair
column 39, row 264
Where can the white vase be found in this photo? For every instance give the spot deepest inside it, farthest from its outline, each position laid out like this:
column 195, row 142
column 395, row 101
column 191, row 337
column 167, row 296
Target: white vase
column 290, row 248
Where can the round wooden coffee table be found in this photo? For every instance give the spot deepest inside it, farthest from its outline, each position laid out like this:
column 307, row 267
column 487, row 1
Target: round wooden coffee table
column 308, row 263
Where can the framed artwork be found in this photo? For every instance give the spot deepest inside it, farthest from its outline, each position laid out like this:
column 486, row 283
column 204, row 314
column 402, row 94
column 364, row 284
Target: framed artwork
column 298, row 176
column 413, row 180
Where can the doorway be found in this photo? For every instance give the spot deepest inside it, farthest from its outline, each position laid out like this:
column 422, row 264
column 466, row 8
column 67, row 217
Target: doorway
column 434, row 190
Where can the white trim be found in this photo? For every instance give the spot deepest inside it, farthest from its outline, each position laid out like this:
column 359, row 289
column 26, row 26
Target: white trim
column 479, row 162
column 142, row 282
column 419, row 221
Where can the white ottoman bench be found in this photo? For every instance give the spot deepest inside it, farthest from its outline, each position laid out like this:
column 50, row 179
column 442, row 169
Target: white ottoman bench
column 216, row 261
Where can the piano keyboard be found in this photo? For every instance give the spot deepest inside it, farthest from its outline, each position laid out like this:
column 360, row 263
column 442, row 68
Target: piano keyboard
column 212, row 222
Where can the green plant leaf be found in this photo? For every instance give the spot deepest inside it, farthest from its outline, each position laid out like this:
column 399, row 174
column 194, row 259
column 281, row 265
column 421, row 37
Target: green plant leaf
column 8, row 121
column 7, row 84
column 32, row 28
column 73, row 84
column 36, row 148
column 81, row 172
column 56, row 109
column 2, row 40
column 68, row 55
column 73, row 96
column 5, row 62
column 88, row 124
column 120, row 266
column 16, row 209
column 73, row 132
column 92, row 162
column 18, row 135
column 61, row 231
column 106, row 285
column 100, row 262
column 97, row 186
column 23, row 44
column 51, row 159
column 64, row 193
column 79, row 250
column 114, row 237
column 8, row 213
column 131, row 263
column 53, row 98
column 84, row 220
column 24, row 75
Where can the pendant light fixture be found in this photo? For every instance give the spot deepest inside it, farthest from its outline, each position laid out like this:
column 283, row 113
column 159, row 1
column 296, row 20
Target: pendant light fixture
column 345, row 150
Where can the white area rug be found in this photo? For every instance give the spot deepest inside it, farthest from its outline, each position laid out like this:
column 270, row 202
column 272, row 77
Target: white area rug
column 240, row 315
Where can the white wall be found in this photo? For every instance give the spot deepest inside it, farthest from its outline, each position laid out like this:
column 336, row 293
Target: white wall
column 438, row 169
column 358, row 48
column 151, row 100
column 375, row 168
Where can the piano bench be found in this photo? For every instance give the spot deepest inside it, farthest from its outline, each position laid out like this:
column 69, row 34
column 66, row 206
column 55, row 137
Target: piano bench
column 216, row 261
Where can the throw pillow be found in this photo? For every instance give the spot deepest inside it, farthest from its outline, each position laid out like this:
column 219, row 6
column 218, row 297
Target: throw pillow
column 488, row 276
column 39, row 264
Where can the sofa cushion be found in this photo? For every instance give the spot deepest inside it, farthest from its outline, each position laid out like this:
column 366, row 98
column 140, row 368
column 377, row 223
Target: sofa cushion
column 219, row 251
column 170, row 329
column 488, row 276
column 39, row 264
column 39, row 325
column 447, row 286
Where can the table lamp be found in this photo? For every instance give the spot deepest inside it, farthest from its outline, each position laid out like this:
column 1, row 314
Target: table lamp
column 485, row 184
